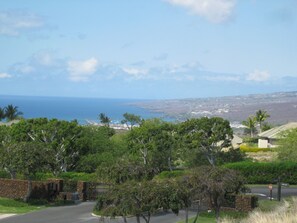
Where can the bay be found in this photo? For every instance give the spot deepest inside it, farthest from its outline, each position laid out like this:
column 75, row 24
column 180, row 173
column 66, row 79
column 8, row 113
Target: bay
column 80, row 109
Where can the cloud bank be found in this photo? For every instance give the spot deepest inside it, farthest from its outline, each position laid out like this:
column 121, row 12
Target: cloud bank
column 82, row 70
column 258, row 76
column 13, row 23
column 215, row 11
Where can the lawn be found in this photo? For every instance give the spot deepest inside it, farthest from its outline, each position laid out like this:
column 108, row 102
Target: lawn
column 17, row 207
column 206, row 217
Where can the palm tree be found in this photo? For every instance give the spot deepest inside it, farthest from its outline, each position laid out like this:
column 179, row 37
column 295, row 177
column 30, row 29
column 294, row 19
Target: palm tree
column 104, row 119
column 250, row 123
column 2, row 114
column 12, row 113
column 261, row 116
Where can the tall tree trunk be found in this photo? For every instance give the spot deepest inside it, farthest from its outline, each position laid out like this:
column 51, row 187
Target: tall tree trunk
column 29, row 191
column 138, row 218
column 217, row 209
column 125, row 219
column 197, row 214
column 169, row 163
column 187, row 214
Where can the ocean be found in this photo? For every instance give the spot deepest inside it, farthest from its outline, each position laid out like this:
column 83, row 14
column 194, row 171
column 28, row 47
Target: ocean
column 80, row 109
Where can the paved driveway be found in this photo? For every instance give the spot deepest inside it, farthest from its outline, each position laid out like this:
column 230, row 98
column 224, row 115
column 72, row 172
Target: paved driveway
column 80, row 214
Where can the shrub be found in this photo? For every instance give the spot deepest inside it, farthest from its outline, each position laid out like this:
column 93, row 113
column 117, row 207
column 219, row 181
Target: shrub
column 248, row 149
column 265, row 173
column 170, row 174
column 4, row 174
column 89, row 177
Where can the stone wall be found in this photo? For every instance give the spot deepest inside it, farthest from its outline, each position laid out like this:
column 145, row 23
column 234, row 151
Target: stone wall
column 246, row 203
column 17, row 189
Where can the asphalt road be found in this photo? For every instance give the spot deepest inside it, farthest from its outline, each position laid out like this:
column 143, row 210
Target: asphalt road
column 80, row 214
column 263, row 192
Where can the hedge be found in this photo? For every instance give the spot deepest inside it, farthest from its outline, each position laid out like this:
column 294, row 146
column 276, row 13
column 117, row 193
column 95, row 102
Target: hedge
column 246, row 148
column 169, row 174
column 265, row 173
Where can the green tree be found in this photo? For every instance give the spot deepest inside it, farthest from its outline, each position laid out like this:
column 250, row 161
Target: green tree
column 2, row 114
column 215, row 184
column 206, row 135
column 131, row 120
column 60, row 136
column 140, row 199
column 153, row 142
column 104, row 119
column 261, row 116
column 30, row 158
column 12, row 112
column 287, row 150
column 250, row 124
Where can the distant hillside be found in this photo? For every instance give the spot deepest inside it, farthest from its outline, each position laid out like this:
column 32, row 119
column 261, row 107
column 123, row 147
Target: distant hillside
column 281, row 106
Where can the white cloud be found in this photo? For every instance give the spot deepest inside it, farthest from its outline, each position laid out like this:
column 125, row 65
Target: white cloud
column 82, row 70
column 12, row 23
column 222, row 78
column 5, row 75
column 258, row 76
column 136, row 73
column 215, row 11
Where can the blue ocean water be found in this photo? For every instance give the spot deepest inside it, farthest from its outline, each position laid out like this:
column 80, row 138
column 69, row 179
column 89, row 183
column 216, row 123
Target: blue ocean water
column 81, row 109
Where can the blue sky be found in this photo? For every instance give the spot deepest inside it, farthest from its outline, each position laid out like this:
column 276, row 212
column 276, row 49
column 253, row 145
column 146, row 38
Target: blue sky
column 152, row 49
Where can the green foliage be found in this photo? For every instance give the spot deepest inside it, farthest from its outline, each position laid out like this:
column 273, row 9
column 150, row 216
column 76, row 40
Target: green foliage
column 206, row 136
column 250, row 140
column 246, row 148
column 16, row 206
column 89, row 177
column 131, row 120
column 250, row 124
column 153, row 143
column 12, row 112
column 231, row 156
column 265, row 173
column 287, row 151
column 170, row 174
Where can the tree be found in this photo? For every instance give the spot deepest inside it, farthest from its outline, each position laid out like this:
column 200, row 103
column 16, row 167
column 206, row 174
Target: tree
column 104, row 119
column 207, row 135
column 131, row 120
column 140, row 199
column 2, row 114
column 12, row 112
column 261, row 116
column 215, row 184
column 153, row 142
column 287, row 150
column 250, row 123
column 31, row 157
column 60, row 136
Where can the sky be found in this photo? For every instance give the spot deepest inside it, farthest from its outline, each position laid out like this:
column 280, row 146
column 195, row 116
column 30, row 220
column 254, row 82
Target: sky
column 147, row 49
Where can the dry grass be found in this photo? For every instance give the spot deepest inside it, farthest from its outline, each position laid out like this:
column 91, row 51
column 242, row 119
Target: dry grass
column 262, row 156
column 285, row 213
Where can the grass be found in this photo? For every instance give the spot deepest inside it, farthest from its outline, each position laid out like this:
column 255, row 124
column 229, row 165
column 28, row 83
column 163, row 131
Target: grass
column 10, row 206
column 283, row 212
column 205, row 217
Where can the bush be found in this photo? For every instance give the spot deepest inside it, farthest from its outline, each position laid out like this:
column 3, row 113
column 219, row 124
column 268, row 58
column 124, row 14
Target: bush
column 4, row 174
column 89, row 177
column 170, row 174
column 250, row 140
column 248, row 149
column 265, row 173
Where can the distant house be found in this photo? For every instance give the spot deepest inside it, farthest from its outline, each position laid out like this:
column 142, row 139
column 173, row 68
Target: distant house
column 236, row 141
column 269, row 138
